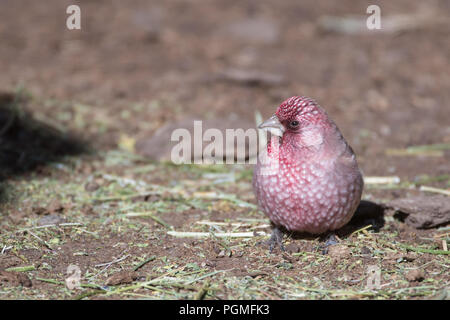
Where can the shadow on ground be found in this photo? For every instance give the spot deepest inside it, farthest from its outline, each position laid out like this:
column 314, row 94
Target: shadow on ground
column 26, row 143
column 367, row 213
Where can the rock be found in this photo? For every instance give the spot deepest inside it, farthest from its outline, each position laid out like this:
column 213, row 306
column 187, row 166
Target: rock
column 158, row 147
column 422, row 212
column 339, row 251
column 50, row 219
column 221, row 254
column 293, row 248
column 410, row 256
column 121, row 277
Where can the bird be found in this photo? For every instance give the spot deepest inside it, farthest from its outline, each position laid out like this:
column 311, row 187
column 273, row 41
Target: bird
column 307, row 179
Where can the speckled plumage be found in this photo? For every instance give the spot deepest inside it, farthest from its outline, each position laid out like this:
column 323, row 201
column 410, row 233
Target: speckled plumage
column 309, row 180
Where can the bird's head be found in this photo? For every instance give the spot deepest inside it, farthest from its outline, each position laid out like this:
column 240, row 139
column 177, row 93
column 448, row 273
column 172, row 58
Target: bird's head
column 300, row 120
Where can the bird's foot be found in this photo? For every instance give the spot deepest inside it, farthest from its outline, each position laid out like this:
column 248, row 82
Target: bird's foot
column 276, row 239
column 331, row 240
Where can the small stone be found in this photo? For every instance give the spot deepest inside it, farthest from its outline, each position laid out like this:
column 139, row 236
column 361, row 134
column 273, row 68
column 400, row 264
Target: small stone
column 121, row 277
column 50, row 219
column 339, row 251
column 158, row 146
column 91, row 186
column 411, row 256
column 292, row 248
column 54, row 206
column 210, row 263
column 415, row 275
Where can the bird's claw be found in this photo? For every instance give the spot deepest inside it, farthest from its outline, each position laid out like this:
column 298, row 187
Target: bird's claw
column 276, row 239
column 330, row 241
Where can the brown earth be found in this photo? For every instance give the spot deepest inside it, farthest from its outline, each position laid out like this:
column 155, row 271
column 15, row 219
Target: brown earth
column 73, row 103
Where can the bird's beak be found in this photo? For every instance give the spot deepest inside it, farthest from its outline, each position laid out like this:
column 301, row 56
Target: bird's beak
column 273, row 125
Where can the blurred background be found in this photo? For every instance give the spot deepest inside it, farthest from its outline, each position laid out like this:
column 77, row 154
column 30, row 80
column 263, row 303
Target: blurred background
column 135, row 67
column 83, row 111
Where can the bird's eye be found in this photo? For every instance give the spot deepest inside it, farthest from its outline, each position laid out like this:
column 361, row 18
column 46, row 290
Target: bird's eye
column 294, row 124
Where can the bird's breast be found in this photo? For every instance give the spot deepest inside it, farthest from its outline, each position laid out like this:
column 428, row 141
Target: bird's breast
column 307, row 195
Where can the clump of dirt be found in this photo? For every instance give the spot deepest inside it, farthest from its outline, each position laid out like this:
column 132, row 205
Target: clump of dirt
column 122, row 277
column 15, row 278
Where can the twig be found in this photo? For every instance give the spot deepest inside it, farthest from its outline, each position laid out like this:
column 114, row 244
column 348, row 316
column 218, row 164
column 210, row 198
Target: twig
column 206, row 276
column 200, row 295
column 140, row 265
column 89, row 294
column 108, row 264
column 89, row 232
column 112, row 262
column 436, row 146
column 219, row 234
column 21, row 269
column 53, row 281
column 423, row 250
column 435, row 190
column 40, row 239
column 143, row 284
column 362, row 229
column 151, row 216
column 436, row 150
column 83, row 285
column 413, row 152
column 216, row 223
column 224, row 196
column 382, row 180
column 52, row 225
column 127, row 197
column 5, row 248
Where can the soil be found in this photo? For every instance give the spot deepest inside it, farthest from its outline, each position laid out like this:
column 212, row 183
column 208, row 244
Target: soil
column 73, row 104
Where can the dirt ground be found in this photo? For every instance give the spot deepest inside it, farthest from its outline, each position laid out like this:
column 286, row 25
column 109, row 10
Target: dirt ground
column 76, row 191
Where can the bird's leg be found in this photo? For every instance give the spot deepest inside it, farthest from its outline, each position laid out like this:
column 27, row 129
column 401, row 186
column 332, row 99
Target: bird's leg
column 276, row 239
column 330, row 240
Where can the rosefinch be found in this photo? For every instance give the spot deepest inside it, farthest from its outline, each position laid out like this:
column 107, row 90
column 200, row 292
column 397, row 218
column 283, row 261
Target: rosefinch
column 309, row 180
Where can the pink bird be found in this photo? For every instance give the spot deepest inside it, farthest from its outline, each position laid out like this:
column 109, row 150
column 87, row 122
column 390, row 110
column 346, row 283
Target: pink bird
column 308, row 180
